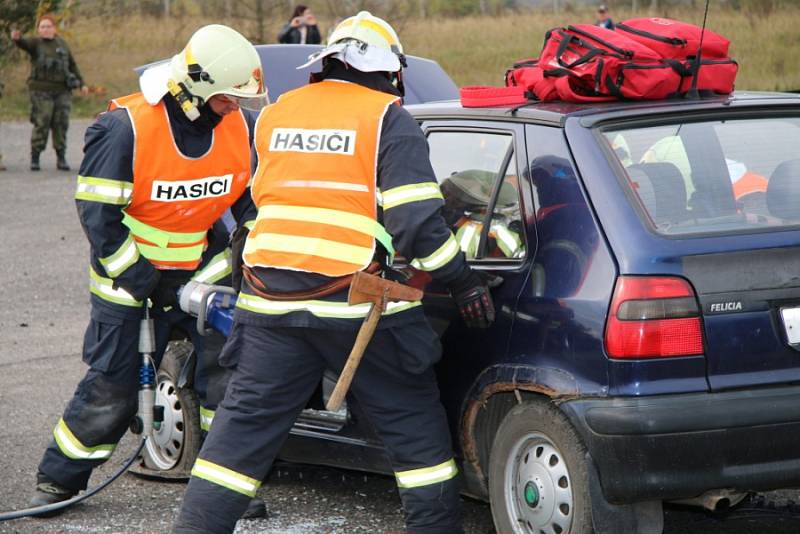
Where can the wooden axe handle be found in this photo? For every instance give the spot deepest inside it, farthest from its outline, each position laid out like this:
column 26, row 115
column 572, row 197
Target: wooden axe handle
column 363, row 338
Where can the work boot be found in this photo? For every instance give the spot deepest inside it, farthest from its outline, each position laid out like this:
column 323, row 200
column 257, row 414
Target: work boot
column 255, row 509
column 35, row 161
column 50, row 493
column 61, row 162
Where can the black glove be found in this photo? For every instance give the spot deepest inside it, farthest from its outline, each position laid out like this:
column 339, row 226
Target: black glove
column 237, row 248
column 165, row 294
column 473, row 299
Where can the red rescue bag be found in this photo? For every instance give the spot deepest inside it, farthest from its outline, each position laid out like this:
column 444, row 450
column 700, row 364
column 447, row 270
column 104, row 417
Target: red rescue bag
column 529, row 75
column 673, row 39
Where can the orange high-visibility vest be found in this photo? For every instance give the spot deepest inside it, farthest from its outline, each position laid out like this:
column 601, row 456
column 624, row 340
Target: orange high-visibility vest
column 749, row 183
column 315, row 186
column 176, row 199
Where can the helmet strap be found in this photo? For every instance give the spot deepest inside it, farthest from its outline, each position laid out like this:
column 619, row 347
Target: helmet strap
column 184, row 99
column 397, row 80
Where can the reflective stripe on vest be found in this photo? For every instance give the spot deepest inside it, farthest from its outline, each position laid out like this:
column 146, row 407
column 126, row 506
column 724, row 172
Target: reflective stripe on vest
column 469, row 236
column 227, row 478
column 319, row 247
column 509, row 243
column 206, row 417
column 218, row 268
column 72, row 447
column 176, row 199
column 315, row 185
column 426, row 476
column 103, row 288
column 319, row 308
column 116, row 192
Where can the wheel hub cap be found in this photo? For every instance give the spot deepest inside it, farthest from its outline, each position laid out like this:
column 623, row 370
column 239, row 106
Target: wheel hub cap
column 531, row 495
column 538, row 491
column 166, row 446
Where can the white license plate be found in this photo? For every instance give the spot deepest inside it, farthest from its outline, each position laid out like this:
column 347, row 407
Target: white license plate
column 791, row 323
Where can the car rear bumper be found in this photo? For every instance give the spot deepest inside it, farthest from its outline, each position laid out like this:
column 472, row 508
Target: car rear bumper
column 679, row 446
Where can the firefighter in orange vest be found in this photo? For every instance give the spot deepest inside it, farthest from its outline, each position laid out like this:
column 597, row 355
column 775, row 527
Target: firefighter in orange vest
column 343, row 178
column 159, row 169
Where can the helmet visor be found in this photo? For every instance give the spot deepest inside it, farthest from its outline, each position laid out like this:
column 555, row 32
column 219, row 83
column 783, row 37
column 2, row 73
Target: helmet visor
column 250, row 103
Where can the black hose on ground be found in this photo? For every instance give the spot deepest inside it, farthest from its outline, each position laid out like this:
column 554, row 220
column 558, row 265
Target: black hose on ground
column 39, row 510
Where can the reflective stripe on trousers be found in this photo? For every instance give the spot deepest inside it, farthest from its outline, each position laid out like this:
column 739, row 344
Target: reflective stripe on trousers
column 74, row 449
column 206, row 417
column 227, row 478
column 425, row 476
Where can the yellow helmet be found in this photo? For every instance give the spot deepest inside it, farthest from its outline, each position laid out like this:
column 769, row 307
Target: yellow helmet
column 366, row 43
column 217, row 60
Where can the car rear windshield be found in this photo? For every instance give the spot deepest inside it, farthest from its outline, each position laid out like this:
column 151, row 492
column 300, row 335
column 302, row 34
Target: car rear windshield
column 731, row 176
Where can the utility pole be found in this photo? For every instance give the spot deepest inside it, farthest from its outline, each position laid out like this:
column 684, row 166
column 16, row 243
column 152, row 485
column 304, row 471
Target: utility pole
column 166, row 9
column 635, row 6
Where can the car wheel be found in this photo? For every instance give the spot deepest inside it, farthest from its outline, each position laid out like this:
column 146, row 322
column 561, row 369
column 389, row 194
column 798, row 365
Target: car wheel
column 171, row 452
column 538, row 477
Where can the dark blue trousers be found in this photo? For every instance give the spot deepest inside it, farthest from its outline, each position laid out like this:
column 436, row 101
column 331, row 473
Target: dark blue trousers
column 275, row 370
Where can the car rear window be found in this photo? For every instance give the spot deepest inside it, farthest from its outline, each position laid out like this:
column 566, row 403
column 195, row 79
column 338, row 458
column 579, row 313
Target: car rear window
column 730, row 176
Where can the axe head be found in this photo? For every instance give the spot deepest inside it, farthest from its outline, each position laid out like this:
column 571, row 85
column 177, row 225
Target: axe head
column 371, row 288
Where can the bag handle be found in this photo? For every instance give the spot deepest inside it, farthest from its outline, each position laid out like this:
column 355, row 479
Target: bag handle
column 566, row 40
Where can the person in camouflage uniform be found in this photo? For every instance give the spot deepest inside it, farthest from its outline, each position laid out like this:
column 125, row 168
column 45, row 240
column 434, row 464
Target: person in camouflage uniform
column 2, row 166
column 54, row 74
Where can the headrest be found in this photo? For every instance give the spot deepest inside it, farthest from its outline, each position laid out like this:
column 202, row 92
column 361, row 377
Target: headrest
column 783, row 191
column 662, row 190
column 555, row 181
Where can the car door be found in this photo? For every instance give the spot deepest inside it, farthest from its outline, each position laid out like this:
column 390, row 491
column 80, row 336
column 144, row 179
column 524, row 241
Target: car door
column 478, row 166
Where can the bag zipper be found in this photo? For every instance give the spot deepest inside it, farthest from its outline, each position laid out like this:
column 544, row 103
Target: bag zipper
column 675, row 41
column 615, row 48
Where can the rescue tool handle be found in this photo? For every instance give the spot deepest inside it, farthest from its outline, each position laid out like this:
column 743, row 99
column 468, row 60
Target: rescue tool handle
column 362, row 340
column 203, row 310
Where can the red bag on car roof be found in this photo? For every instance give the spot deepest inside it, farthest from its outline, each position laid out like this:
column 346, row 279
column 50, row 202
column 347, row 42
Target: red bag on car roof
column 673, row 39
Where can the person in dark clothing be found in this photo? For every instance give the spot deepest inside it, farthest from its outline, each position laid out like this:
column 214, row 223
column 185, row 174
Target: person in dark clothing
column 160, row 169
column 603, row 18
column 301, row 29
column 54, row 74
column 344, row 178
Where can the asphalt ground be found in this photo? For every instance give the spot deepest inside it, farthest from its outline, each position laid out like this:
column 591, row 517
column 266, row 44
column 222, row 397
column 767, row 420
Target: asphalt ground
column 43, row 312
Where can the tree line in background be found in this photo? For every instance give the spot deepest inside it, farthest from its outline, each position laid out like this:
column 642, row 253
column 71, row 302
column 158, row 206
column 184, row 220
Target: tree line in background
column 22, row 14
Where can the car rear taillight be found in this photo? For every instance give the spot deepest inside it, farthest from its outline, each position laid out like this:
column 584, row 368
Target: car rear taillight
column 653, row 317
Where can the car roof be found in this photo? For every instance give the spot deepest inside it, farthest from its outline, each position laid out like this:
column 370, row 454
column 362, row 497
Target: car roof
column 424, row 79
column 556, row 113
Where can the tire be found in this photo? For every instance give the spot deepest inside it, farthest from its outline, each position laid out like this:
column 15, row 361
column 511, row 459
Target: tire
column 538, row 476
column 171, row 453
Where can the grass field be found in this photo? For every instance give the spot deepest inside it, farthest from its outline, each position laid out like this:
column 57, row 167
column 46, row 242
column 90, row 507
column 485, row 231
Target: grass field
column 473, row 50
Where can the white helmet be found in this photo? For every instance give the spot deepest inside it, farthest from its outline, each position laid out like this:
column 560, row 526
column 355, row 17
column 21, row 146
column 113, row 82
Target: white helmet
column 217, row 60
column 366, row 43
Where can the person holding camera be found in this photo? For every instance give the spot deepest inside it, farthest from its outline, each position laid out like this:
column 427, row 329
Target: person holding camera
column 301, row 29
column 54, row 74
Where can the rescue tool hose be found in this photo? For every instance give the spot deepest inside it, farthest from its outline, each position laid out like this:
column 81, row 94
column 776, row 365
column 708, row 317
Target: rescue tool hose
column 146, row 421
column 39, row 510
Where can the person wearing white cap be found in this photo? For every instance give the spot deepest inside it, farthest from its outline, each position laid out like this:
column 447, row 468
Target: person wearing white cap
column 344, row 179
column 160, row 167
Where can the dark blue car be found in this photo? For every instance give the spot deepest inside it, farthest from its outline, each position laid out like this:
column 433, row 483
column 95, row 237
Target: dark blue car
column 647, row 346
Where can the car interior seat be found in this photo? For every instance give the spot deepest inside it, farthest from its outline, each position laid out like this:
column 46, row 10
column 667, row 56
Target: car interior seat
column 783, row 191
column 661, row 189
